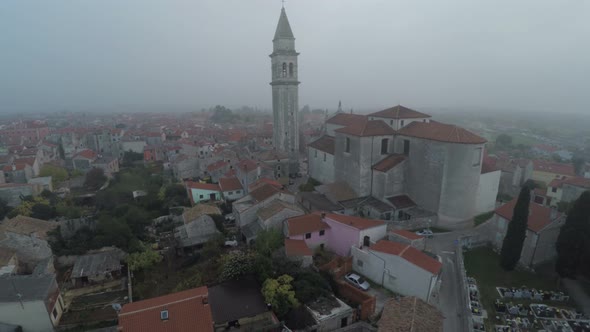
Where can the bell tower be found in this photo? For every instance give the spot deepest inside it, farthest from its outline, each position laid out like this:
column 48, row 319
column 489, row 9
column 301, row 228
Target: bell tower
column 285, row 92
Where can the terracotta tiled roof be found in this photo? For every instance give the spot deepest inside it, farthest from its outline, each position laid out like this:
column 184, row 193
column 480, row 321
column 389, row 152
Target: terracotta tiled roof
column 539, row 215
column 87, row 153
column 356, row 222
column 263, row 192
column 399, row 112
column 262, row 181
column 306, row 224
column 297, row 248
column 441, row 132
column 557, row 183
column 410, row 314
column 578, row 182
column 17, row 167
column 389, row 162
column 324, row 143
column 275, row 207
column 367, row 128
column 198, row 211
column 187, row 311
column 346, row 119
column 229, row 184
column 247, row 165
column 203, row 186
column 408, row 253
column 407, row 234
column 553, row 167
column 401, row 201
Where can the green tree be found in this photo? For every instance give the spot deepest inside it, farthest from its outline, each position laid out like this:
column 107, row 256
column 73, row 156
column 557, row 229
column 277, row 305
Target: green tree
column 235, row 265
column 268, row 241
column 194, row 280
column 310, row 285
column 58, row 174
column 4, row 209
column 516, row 233
column 573, row 243
column 60, row 150
column 42, row 211
column 143, row 260
column 504, row 140
column 95, row 179
column 280, row 294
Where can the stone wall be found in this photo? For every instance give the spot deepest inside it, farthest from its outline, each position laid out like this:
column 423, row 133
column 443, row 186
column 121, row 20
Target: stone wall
column 365, row 303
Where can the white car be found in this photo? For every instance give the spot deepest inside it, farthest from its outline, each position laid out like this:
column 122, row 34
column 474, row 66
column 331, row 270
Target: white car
column 357, row 281
column 425, row 232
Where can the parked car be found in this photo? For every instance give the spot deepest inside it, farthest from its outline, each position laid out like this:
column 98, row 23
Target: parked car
column 357, row 281
column 425, row 232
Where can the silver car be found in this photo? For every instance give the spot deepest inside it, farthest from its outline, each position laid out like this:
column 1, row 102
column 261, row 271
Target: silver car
column 357, row 281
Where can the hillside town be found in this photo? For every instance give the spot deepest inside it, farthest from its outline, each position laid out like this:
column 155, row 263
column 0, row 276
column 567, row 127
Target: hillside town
column 303, row 219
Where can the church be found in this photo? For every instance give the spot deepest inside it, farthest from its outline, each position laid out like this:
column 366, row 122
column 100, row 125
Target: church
column 398, row 163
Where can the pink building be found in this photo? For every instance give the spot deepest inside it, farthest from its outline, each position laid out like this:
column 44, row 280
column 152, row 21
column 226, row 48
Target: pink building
column 336, row 232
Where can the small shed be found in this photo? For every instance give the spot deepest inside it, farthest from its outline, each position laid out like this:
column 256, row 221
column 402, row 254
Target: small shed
column 96, row 268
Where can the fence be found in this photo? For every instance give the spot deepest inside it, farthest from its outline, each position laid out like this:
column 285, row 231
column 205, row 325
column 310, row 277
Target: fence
column 463, row 288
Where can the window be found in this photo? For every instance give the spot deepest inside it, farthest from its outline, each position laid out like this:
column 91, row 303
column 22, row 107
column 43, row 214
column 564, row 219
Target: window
column 384, row 143
column 230, row 193
column 553, row 189
column 322, row 232
column 406, row 147
column 284, row 74
column 477, row 156
column 324, row 156
column 308, row 235
column 200, row 196
column 347, row 144
column 359, row 263
column 316, row 153
column 366, row 241
column 291, row 69
column 164, row 315
column 238, row 192
column 278, row 167
column 391, row 122
column 344, row 322
column 401, row 123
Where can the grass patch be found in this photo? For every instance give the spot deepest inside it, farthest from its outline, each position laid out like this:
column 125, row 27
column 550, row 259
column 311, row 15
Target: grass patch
column 483, row 264
column 480, row 219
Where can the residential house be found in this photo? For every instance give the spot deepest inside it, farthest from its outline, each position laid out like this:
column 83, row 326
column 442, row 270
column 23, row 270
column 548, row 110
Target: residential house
column 246, row 208
column 514, row 173
column 262, row 181
column 407, row 237
column 277, row 162
column 398, row 267
column 240, row 304
column 31, row 301
column 217, row 169
column 336, row 232
column 203, row 192
column 316, row 202
column 97, row 268
column 132, row 145
column 330, row 314
column 248, row 172
column 84, row 160
column 184, row 167
column 29, row 238
column 44, row 182
column 297, row 250
column 184, row 311
column 18, row 173
column 110, row 165
column 544, row 224
column 275, row 213
column 546, row 171
column 195, row 233
column 11, row 193
column 572, row 188
column 410, row 314
column 231, row 188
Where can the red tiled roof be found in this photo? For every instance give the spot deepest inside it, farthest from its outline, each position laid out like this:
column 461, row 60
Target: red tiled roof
column 557, row 183
column 306, row 224
column 399, row 112
column 408, row 253
column 247, row 165
column 216, row 165
column 202, row 186
column 87, row 153
column 407, row 234
column 297, row 248
column 228, row 184
column 17, row 167
column 441, row 132
column 367, row 128
column 553, row 167
column 389, row 162
column 262, row 181
column 578, row 182
column 401, row 201
column 324, row 143
column 356, row 222
column 187, row 311
column 539, row 215
column 263, row 192
column 346, row 119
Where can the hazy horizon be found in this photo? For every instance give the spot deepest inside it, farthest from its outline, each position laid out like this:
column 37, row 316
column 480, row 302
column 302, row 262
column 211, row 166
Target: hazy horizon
column 146, row 55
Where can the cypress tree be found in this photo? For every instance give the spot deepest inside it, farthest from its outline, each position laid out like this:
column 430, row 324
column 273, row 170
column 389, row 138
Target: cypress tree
column 516, row 233
column 573, row 243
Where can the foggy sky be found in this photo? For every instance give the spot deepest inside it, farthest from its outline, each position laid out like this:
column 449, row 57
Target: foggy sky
column 172, row 54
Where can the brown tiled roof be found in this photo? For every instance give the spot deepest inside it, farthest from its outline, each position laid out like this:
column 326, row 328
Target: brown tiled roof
column 187, row 311
column 306, row 224
column 275, row 207
column 367, row 128
column 399, row 112
column 553, row 167
column 539, row 215
column 247, row 165
column 401, row 201
column 389, row 162
column 408, row 253
column 346, row 119
column 297, row 248
column 228, row 184
column 263, row 192
column 262, row 181
column 324, row 143
column 441, row 132
column 216, row 165
column 578, row 182
column 410, row 314
column 28, row 226
column 356, row 222
column 199, row 210
column 407, row 234
column 87, row 153
column 203, row 186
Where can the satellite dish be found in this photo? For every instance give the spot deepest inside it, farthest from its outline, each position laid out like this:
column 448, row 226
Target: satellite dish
column 116, row 307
